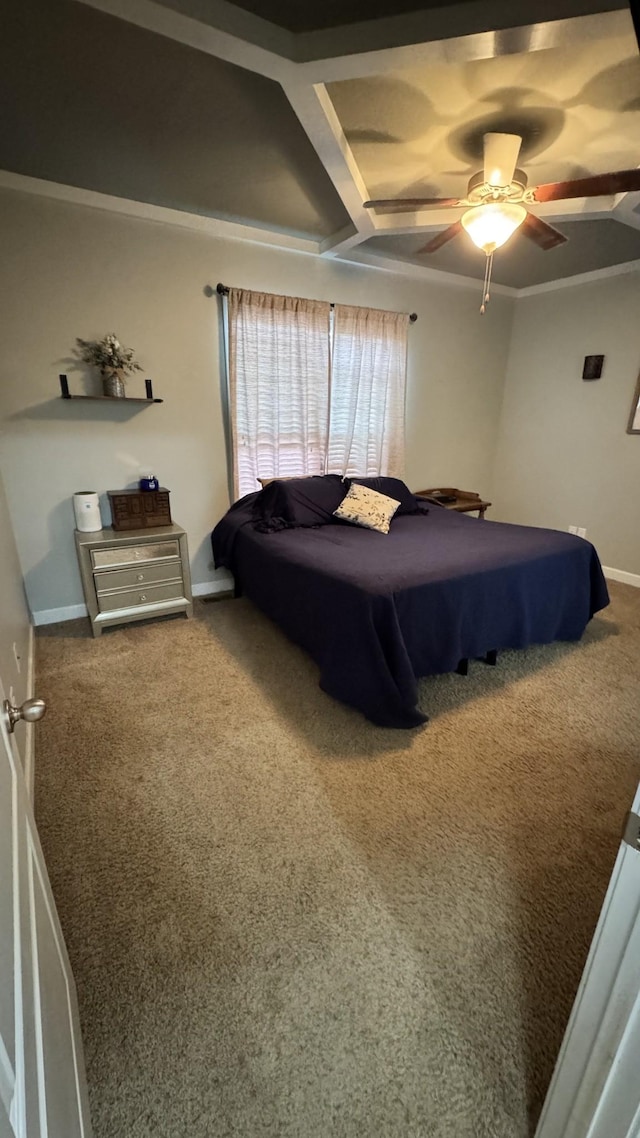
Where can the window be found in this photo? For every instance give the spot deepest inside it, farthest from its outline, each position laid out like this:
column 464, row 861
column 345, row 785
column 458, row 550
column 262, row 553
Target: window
column 313, row 391
column 368, row 374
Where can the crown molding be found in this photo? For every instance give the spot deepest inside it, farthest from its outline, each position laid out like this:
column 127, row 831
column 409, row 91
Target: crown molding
column 626, row 210
column 341, row 247
column 423, row 38
column 224, row 16
column 424, row 273
column 211, row 226
column 320, row 122
column 388, row 43
column 242, row 46
column 580, row 279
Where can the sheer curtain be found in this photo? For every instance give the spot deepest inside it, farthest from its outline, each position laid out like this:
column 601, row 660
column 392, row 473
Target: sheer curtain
column 368, row 379
column 278, row 386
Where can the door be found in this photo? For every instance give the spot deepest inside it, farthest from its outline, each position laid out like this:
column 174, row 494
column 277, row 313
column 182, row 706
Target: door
column 42, row 1085
column 595, row 1089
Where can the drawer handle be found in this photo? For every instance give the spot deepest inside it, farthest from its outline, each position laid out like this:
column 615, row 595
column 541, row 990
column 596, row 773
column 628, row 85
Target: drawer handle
column 141, row 576
column 143, row 596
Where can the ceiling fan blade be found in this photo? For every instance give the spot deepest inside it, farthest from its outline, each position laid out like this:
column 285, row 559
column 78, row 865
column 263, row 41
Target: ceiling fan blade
column 441, row 238
column 500, row 157
column 541, row 233
column 410, row 203
column 599, row 185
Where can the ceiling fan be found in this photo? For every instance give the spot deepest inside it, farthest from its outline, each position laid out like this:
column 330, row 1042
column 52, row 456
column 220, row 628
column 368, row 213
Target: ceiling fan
column 496, row 202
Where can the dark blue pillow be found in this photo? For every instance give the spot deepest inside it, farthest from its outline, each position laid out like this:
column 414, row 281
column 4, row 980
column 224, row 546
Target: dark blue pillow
column 297, row 502
column 393, row 488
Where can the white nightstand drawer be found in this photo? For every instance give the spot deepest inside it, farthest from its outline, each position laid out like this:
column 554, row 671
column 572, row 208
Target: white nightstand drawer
column 135, row 598
column 134, row 554
column 107, row 582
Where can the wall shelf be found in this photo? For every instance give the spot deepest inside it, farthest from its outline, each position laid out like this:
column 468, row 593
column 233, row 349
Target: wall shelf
column 149, row 398
column 112, row 399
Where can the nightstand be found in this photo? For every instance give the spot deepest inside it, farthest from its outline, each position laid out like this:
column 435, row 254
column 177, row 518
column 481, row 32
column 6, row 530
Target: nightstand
column 134, row 575
column 464, row 501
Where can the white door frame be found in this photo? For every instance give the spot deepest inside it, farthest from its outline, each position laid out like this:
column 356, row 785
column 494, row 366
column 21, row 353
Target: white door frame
column 595, row 1089
column 43, row 1091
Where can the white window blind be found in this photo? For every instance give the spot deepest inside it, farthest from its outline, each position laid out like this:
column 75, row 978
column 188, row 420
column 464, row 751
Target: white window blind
column 278, row 386
column 311, row 391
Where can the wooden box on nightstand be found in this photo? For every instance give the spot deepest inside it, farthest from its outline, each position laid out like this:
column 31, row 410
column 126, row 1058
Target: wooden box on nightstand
column 134, row 575
column 138, row 509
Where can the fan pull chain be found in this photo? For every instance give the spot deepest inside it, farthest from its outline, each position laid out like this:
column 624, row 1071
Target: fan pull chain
column 486, row 284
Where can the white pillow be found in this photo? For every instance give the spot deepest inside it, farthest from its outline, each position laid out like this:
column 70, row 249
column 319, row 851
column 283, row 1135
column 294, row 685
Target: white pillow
column 368, row 508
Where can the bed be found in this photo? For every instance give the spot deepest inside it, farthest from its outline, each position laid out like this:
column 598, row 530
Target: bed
column 377, row 612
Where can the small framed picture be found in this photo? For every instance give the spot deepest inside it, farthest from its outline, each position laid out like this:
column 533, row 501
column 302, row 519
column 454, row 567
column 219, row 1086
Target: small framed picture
column 592, row 367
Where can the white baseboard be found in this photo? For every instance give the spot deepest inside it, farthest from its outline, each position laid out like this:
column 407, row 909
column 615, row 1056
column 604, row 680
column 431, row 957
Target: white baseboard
column 73, row 612
column 209, row 588
column 223, row 584
column 52, row 616
column 622, row 575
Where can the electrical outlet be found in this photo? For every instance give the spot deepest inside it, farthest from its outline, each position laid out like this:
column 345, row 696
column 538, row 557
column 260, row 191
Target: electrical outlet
column 573, row 529
column 582, row 531
column 16, row 656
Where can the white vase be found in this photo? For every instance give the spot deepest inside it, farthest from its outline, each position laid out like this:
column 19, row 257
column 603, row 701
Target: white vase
column 86, row 507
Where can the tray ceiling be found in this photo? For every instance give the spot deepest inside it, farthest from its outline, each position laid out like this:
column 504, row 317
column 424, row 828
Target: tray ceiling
column 261, row 115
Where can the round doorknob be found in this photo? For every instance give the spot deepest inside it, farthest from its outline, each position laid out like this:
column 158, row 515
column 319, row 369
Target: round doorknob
column 31, row 711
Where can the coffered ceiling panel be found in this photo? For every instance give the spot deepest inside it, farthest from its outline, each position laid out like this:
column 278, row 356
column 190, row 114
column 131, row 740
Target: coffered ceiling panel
column 519, row 263
column 93, row 101
column 419, row 132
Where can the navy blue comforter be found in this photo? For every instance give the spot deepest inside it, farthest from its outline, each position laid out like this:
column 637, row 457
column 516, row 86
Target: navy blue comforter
column 376, row 612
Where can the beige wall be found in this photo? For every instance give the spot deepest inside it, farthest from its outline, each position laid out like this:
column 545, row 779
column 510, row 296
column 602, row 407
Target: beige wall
column 14, row 616
column 70, row 271
column 563, row 455
column 561, row 452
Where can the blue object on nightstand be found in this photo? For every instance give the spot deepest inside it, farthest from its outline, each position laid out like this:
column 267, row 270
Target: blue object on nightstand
column 149, row 482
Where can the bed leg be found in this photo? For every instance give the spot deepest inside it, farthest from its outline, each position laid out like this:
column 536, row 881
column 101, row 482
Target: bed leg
column 237, row 588
column 463, row 667
column 491, row 657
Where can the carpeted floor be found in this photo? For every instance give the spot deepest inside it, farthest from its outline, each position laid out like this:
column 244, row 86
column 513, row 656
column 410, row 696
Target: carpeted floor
column 287, row 922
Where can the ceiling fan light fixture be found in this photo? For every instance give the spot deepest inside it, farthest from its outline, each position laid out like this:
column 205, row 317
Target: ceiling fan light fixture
column 493, row 223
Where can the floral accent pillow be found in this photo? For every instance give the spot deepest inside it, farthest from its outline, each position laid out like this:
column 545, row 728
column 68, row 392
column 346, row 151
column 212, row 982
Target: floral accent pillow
column 368, row 508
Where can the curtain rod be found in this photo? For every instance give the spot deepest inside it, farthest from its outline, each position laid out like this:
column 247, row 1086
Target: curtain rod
column 223, row 290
